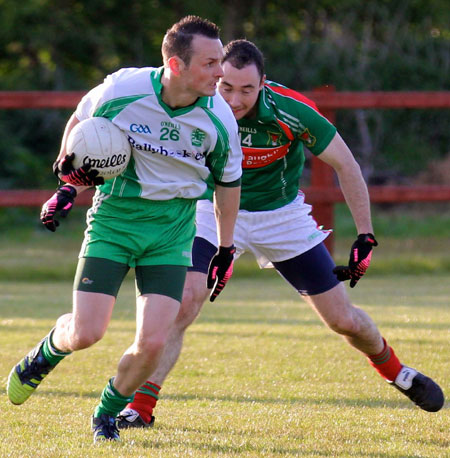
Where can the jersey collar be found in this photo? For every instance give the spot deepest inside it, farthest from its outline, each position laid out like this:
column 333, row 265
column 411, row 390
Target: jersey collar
column 202, row 102
column 265, row 111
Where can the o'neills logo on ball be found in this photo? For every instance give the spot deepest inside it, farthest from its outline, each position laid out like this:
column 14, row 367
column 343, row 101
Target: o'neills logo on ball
column 113, row 161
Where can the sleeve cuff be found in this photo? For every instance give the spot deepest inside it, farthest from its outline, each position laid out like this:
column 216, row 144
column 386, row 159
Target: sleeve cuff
column 231, row 184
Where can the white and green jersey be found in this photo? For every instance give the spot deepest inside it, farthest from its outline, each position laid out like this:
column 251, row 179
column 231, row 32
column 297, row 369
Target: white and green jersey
column 174, row 152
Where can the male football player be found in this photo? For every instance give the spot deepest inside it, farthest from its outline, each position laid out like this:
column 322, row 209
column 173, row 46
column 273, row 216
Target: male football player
column 145, row 217
column 274, row 223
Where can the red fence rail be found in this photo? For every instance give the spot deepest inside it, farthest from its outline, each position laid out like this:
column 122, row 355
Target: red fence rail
column 327, row 98
column 322, row 193
column 317, row 196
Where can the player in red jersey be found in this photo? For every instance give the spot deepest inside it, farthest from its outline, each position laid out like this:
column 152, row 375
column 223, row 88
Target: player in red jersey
column 275, row 123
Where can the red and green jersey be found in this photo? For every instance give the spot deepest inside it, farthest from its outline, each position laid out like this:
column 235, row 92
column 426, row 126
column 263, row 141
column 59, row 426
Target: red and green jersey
column 272, row 145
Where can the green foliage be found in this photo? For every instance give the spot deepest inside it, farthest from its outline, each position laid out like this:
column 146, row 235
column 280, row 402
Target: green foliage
column 371, row 45
column 402, row 143
column 29, row 143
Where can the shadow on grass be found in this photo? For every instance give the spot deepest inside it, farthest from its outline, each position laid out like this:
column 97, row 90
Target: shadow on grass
column 292, row 401
column 296, row 322
column 444, row 326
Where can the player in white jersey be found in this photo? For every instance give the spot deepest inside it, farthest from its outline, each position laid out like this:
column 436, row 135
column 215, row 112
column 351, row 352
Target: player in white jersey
column 183, row 137
column 275, row 225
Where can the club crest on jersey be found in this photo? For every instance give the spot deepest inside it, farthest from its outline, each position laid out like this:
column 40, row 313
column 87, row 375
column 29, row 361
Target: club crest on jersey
column 308, row 139
column 274, row 138
column 197, row 137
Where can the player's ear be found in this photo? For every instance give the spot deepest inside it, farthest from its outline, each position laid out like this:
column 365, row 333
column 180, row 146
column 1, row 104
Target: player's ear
column 263, row 80
column 175, row 65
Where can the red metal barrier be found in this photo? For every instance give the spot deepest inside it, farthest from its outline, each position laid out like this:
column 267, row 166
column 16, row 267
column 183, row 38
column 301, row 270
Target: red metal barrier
column 314, row 195
column 39, row 99
column 322, row 193
column 326, row 97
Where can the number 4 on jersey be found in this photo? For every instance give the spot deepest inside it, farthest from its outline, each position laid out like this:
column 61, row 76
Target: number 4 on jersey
column 247, row 140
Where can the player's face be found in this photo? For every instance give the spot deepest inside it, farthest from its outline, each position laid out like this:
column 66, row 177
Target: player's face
column 240, row 88
column 204, row 70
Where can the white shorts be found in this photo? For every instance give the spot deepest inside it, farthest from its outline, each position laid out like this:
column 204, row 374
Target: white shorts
column 274, row 235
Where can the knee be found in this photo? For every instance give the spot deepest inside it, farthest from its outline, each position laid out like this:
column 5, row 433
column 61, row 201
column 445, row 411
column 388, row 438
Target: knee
column 346, row 324
column 190, row 307
column 82, row 338
column 151, row 347
column 79, row 336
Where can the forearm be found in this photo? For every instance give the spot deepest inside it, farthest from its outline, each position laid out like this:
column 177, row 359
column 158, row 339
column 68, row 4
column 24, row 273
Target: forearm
column 356, row 196
column 338, row 155
column 71, row 123
column 81, row 178
column 226, row 206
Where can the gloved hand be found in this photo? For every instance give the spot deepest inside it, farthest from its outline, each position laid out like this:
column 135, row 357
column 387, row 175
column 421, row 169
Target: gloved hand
column 62, row 202
column 360, row 255
column 220, row 270
column 83, row 176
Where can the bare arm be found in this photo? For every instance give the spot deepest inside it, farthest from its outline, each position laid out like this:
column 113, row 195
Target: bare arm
column 226, row 206
column 71, row 123
column 62, row 201
column 338, row 155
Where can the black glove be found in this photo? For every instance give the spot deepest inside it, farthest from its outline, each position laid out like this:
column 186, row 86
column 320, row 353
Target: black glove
column 360, row 255
column 62, row 202
column 83, row 176
column 220, row 270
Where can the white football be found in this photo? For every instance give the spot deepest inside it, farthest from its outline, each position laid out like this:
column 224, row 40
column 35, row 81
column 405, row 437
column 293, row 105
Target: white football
column 97, row 141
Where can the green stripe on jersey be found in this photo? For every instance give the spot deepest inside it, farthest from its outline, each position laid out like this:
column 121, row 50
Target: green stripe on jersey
column 217, row 165
column 113, row 107
column 125, row 185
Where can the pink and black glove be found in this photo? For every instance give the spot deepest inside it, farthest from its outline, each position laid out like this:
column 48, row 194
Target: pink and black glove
column 360, row 255
column 83, row 176
column 220, row 270
column 62, row 202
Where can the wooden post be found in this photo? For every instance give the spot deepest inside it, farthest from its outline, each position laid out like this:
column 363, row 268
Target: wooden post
column 322, row 177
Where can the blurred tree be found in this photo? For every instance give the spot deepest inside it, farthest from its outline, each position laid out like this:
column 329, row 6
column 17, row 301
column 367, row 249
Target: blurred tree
column 371, row 45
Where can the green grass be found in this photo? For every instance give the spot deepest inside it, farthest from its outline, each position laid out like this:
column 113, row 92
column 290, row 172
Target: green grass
column 412, row 220
column 259, row 376
column 412, row 241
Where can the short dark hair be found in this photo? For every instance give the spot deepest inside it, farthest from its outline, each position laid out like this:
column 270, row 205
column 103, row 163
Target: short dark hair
column 177, row 40
column 241, row 53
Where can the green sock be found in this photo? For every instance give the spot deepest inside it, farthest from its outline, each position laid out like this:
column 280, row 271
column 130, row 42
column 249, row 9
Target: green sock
column 51, row 353
column 112, row 402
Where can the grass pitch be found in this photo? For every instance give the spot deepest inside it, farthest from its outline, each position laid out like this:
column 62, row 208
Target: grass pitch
column 259, row 375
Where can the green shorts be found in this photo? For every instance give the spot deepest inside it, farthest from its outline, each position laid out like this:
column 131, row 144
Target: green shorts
column 99, row 275
column 140, row 232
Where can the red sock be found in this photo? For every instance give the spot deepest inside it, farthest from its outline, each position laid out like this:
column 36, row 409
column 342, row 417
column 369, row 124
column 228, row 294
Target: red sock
column 386, row 363
column 145, row 400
